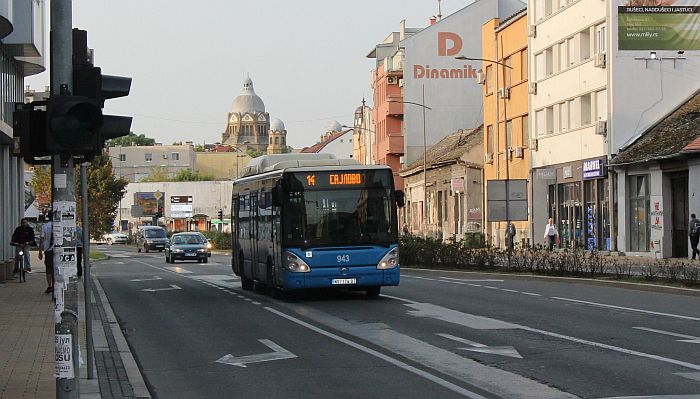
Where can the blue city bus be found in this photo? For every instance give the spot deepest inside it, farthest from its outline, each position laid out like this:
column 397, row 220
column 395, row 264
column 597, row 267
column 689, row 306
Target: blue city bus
column 313, row 221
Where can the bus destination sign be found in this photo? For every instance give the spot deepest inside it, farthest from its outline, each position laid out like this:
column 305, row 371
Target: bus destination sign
column 333, row 179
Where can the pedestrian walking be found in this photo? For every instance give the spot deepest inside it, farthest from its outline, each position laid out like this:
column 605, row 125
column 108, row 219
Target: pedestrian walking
column 510, row 236
column 694, row 234
column 22, row 237
column 406, row 231
column 46, row 251
column 550, row 233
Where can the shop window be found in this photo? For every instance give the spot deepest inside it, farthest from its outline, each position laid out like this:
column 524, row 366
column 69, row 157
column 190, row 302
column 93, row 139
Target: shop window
column 639, row 213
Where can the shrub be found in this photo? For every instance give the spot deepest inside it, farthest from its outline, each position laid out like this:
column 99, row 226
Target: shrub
column 218, row 239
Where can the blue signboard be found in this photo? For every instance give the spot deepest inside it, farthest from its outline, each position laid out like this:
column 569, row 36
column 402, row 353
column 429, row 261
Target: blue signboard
column 594, row 168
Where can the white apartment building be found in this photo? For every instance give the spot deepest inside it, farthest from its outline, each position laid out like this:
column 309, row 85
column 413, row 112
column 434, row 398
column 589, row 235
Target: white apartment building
column 592, row 96
column 134, row 163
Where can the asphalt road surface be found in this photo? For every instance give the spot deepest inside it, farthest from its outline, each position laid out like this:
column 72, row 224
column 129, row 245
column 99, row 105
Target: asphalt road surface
column 195, row 333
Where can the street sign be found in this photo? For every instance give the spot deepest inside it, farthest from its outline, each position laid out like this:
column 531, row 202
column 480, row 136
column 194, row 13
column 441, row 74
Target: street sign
column 515, row 201
column 181, row 199
column 157, row 195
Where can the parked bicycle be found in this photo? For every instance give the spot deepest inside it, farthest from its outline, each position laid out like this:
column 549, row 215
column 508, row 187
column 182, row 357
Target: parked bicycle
column 19, row 260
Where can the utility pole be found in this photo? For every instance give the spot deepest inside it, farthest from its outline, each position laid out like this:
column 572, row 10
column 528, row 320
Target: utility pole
column 64, row 214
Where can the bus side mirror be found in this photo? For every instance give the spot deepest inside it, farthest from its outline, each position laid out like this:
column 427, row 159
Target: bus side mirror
column 277, row 196
column 400, row 198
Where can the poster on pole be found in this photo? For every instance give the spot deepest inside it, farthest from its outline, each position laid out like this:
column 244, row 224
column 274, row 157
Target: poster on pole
column 64, row 356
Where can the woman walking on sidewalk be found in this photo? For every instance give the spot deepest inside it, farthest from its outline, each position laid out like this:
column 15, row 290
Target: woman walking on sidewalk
column 550, row 233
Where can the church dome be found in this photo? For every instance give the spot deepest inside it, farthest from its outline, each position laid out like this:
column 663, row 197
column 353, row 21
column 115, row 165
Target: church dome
column 334, row 126
column 248, row 101
column 276, row 125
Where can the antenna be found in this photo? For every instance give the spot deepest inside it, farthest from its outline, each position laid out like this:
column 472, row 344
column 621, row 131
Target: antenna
column 439, row 16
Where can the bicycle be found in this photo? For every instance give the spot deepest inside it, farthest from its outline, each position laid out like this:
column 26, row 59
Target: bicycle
column 21, row 267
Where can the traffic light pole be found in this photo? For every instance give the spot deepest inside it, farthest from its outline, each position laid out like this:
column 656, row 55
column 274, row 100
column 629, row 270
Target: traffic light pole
column 64, row 214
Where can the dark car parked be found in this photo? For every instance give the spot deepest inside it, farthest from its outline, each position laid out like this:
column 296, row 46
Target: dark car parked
column 151, row 238
column 186, row 246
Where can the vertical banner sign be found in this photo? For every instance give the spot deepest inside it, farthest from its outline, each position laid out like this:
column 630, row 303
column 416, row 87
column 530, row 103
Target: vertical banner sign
column 656, row 223
column 659, row 25
column 64, row 356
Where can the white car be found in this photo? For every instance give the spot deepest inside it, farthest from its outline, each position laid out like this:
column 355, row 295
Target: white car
column 114, row 237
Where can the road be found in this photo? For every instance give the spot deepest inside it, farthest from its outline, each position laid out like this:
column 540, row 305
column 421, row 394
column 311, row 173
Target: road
column 195, row 333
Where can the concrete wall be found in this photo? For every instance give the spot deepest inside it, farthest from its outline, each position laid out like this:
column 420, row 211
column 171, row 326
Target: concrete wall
column 221, row 165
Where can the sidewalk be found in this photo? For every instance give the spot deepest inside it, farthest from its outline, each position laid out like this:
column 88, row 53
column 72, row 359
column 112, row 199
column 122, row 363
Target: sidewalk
column 27, row 347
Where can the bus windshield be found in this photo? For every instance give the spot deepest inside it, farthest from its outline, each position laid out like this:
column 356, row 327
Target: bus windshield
column 359, row 212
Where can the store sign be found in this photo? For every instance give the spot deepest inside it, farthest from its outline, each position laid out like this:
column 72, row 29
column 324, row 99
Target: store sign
column 181, row 199
column 567, row 172
column 593, row 169
column 181, row 215
column 180, row 208
column 458, row 185
column 546, row 174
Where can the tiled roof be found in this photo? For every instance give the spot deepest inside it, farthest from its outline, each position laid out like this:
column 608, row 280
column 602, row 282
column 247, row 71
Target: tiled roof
column 319, row 146
column 451, row 148
column 675, row 134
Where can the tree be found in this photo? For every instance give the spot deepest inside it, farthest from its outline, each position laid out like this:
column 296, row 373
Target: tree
column 253, row 153
column 41, row 184
column 159, row 173
column 130, row 140
column 105, row 191
column 199, row 148
column 190, row 175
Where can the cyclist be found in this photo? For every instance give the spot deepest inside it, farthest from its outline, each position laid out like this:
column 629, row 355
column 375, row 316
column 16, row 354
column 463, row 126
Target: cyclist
column 22, row 237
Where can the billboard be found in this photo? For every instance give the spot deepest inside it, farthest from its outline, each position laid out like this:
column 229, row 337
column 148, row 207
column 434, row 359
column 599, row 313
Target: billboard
column 659, row 25
column 149, row 202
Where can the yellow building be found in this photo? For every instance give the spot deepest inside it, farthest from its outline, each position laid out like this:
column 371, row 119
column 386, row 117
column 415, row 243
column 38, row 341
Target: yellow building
column 221, row 165
column 506, row 154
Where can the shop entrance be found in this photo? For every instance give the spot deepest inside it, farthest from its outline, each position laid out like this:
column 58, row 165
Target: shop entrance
column 571, row 215
column 679, row 195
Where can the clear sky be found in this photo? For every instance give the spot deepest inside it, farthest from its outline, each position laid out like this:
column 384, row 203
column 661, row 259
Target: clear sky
column 188, row 59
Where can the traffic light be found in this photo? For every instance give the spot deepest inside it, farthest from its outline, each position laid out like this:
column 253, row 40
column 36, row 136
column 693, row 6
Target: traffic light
column 29, row 129
column 159, row 214
column 73, row 125
column 221, row 214
column 89, row 82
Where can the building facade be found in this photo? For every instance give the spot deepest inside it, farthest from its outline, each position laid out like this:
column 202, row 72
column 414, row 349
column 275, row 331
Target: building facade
column 444, row 196
column 22, row 54
column 248, row 124
column 363, row 135
column 336, row 140
column 505, row 90
column 134, row 163
column 278, row 138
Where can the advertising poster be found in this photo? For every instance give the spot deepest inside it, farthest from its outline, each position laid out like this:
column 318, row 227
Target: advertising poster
column 149, row 202
column 659, row 25
column 64, row 356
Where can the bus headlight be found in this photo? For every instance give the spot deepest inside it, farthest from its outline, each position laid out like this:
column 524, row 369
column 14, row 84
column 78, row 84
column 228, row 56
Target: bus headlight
column 294, row 263
column 390, row 260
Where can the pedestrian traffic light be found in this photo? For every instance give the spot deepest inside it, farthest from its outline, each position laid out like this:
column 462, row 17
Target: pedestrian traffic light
column 221, row 214
column 89, row 82
column 29, row 129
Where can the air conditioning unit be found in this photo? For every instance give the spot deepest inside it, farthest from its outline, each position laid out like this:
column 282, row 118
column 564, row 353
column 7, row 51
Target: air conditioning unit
column 599, row 60
column 518, row 152
column 392, row 80
column 402, row 159
column 601, row 128
column 400, row 82
column 532, row 87
column 508, row 154
column 504, row 92
column 488, row 158
column 165, row 156
column 532, row 32
column 481, row 77
column 533, row 144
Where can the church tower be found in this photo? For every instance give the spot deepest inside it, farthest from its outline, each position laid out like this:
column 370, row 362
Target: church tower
column 278, row 138
column 248, row 123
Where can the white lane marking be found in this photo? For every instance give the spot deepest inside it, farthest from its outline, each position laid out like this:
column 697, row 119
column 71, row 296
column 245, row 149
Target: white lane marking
column 178, row 270
column 172, row 287
column 691, row 396
column 490, row 287
column 507, row 290
column 115, row 263
column 279, row 353
column 688, row 338
column 395, row 362
column 691, row 376
column 603, row 305
column 422, row 278
column 481, row 348
column 480, row 322
column 487, row 280
column 146, row 279
column 531, row 293
column 476, row 285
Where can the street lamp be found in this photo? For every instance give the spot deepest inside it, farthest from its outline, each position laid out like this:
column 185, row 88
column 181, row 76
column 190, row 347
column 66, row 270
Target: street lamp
column 506, row 149
column 425, row 156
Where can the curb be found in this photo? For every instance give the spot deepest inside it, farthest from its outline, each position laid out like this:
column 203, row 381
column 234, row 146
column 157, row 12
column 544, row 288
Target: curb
column 581, row 280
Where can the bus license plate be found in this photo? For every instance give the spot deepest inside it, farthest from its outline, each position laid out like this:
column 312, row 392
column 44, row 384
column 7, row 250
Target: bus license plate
column 343, row 281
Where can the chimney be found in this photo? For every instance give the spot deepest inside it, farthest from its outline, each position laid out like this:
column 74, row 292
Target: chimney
column 433, row 19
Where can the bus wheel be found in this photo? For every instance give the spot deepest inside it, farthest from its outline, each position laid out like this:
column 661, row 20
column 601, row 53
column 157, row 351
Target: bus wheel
column 373, row 291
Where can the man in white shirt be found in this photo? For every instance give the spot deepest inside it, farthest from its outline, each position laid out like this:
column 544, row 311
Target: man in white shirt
column 46, row 250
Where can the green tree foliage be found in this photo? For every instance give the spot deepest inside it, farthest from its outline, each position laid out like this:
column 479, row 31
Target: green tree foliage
column 158, row 173
column 253, row 153
column 130, row 140
column 41, row 184
column 199, row 148
column 105, row 191
column 190, row 175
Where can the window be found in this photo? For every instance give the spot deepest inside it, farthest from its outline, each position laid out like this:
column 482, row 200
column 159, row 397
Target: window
column 549, row 61
column 639, row 213
column 523, row 65
column 539, row 66
column 489, row 79
column 563, row 56
column 508, row 69
column 175, row 156
column 539, row 10
column 550, row 119
column 489, row 139
column 600, row 39
column 571, row 51
column 509, row 134
column 573, row 113
column 564, row 116
column 585, row 44
column 122, row 157
column 149, row 157
column 601, row 105
column 586, row 109
column 540, row 122
column 525, row 129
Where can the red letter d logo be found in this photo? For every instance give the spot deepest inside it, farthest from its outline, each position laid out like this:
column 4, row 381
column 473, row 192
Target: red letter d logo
column 455, row 40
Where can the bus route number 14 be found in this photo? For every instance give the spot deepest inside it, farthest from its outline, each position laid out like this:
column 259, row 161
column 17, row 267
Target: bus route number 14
column 311, row 180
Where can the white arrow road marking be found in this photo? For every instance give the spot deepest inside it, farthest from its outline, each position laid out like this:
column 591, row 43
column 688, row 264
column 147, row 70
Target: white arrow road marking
column 481, row 348
column 688, row 338
column 279, row 354
column 147, row 279
column 691, row 376
column 172, row 287
column 221, row 280
column 179, row 270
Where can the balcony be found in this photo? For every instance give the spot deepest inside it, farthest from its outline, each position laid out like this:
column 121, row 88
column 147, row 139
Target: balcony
column 395, row 144
column 394, row 108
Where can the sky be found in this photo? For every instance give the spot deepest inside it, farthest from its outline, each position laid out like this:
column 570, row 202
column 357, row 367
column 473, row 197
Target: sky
column 188, row 59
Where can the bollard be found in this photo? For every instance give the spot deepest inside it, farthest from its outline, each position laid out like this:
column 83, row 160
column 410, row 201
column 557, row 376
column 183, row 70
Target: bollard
column 67, row 347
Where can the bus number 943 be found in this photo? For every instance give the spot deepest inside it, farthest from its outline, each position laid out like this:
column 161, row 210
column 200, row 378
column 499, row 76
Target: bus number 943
column 343, row 258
